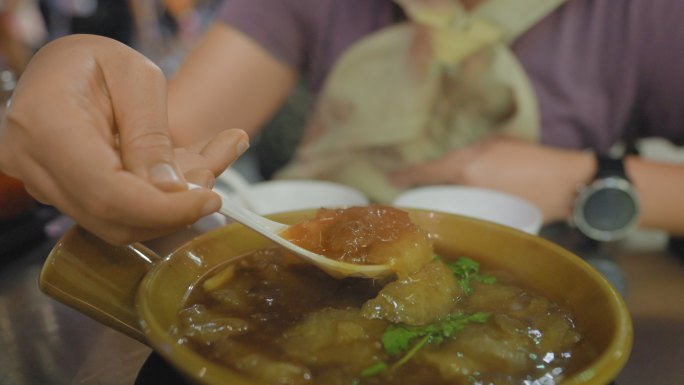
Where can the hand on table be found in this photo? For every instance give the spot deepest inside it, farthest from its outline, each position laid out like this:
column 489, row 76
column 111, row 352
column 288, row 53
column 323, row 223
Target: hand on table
column 545, row 176
column 87, row 132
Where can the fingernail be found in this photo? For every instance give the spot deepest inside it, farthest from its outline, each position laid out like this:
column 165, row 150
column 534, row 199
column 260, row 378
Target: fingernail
column 241, row 147
column 164, row 173
column 211, row 207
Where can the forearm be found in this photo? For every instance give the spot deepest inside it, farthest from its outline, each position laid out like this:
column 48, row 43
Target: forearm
column 552, row 177
column 661, row 187
column 228, row 81
column 561, row 175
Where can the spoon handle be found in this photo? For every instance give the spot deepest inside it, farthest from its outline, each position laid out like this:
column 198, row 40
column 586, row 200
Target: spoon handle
column 241, row 214
column 261, row 225
column 240, row 186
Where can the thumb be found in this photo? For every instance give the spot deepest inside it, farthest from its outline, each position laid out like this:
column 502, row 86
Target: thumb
column 138, row 95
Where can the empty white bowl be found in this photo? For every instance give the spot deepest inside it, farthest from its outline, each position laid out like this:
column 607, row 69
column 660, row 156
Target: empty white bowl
column 480, row 203
column 287, row 195
column 281, row 195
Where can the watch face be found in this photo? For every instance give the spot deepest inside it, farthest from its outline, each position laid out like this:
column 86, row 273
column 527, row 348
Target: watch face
column 607, row 210
column 610, row 209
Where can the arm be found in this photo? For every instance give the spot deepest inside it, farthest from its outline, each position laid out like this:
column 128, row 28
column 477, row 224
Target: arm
column 660, row 186
column 227, row 81
column 549, row 177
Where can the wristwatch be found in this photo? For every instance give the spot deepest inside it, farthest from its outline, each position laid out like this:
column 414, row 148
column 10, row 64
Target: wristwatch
column 607, row 209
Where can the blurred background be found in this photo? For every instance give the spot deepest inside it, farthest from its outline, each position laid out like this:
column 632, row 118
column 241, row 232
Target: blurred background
column 161, row 29
column 647, row 268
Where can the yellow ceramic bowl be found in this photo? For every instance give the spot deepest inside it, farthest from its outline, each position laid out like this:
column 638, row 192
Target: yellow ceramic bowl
column 136, row 292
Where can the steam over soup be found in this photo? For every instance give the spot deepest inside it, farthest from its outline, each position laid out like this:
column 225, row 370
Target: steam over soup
column 281, row 321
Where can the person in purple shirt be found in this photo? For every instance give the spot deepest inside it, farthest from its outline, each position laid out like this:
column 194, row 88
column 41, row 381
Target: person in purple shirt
column 95, row 129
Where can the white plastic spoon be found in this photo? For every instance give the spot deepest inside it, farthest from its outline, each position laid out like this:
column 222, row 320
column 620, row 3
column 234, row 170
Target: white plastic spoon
column 272, row 231
column 240, row 186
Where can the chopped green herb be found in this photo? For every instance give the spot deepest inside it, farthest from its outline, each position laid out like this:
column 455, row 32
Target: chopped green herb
column 411, row 352
column 467, row 270
column 398, row 338
column 374, row 369
column 486, row 279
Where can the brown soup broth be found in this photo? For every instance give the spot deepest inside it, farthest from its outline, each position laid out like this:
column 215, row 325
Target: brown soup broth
column 283, row 322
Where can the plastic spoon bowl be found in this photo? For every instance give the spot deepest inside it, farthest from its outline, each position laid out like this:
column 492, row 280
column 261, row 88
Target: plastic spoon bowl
column 272, row 231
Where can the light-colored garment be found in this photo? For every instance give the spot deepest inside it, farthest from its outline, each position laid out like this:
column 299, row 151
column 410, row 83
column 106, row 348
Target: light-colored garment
column 597, row 66
column 414, row 91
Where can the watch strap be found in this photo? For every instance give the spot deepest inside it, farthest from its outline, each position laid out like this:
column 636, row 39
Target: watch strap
column 607, row 166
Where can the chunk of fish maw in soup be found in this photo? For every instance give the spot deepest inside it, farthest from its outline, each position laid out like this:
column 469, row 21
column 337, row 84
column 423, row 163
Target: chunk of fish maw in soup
column 503, row 349
column 497, row 353
column 206, row 326
column 322, row 335
column 553, row 325
column 422, row 298
column 406, row 255
column 273, row 371
column 250, row 360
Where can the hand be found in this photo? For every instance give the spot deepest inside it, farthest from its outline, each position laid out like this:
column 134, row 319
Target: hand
column 547, row 177
column 87, row 132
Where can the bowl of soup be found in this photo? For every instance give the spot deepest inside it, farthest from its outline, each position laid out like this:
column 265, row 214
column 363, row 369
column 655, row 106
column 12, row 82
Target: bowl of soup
column 491, row 304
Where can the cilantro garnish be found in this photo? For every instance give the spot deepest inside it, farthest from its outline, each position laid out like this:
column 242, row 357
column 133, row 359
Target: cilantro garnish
column 397, row 338
column 466, row 270
column 374, row 369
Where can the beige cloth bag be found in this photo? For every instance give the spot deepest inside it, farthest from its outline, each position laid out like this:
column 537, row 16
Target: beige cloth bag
column 414, row 91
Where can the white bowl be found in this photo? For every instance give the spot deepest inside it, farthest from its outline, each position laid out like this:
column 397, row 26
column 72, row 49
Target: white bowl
column 485, row 204
column 281, row 195
column 286, row 195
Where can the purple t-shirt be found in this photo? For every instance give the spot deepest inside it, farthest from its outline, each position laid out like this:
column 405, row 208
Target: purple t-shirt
column 597, row 66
